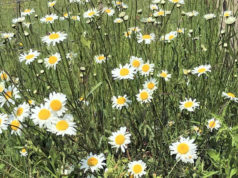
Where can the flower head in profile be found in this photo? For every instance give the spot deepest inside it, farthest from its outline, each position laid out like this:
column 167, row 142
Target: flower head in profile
column 189, row 104
column 209, row 16
column 203, row 69
column 147, row 38
column 54, row 37
column 230, row 96
column 123, row 72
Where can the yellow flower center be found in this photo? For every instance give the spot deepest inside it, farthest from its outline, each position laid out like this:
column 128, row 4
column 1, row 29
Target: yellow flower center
column 54, row 36
column 101, row 58
column 62, row 125
column 231, row 95
column 30, row 56
column 19, row 111
column 74, row 17
column 15, row 124
column 183, row 148
column 66, row 14
column 27, row 10
column 175, row 1
column 163, row 74
column 44, row 114
column 4, row 76
column 146, row 37
column 188, row 104
column 49, row 19
column 56, row 105
column 121, row 100
column 171, row 37
column 144, row 95
column 160, row 13
column 23, row 150
column 136, row 63
column 2, row 87
column 118, row 3
column 108, row 11
column 145, row 68
column 227, row 14
column 91, row 13
column 212, row 124
column 124, row 71
column 52, row 4
column 201, row 70
column 137, row 168
column 8, row 94
column 92, row 161
column 120, row 139
column 0, row 121
column 150, row 85
column 52, row 59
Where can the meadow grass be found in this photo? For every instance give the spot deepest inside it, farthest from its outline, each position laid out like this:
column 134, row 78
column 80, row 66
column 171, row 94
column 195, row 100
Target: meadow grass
column 89, row 87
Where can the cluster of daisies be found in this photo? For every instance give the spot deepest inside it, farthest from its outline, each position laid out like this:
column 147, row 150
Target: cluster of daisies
column 50, row 115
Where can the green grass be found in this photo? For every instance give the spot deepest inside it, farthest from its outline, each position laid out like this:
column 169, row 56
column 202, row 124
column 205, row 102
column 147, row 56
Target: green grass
column 148, row 124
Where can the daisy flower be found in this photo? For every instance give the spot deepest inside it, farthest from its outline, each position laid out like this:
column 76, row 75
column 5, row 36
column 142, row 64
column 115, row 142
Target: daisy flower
column 171, row 36
column 192, row 14
column 159, row 13
column 127, row 34
column 120, row 139
column 9, row 95
column 42, row 115
column 100, row 58
column 51, row 3
column 15, row 126
column 185, row 150
column 153, row 7
column 134, row 29
column 71, row 55
column 91, row 13
column 64, row 126
column 136, row 62
column 123, row 72
column 75, row 17
column 230, row 20
column 27, row 12
column 2, row 87
column 23, row 152
column 49, row 18
column 108, row 11
column 93, row 162
column 29, row 57
column 52, row 61
column 4, row 76
column 8, row 36
column 227, row 13
column 18, row 20
column 189, row 104
column 177, row 1
column 56, row 103
column 147, row 38
column 137, row 168
column 148, row 20
column 203, row 69
column 22, row 111
column 54, row 37
column 150, row 85
column 120, row 101
column 118, row 20
column 3, row 122
column 146, row 69
column 213, row 124
column 209, row 16
column 230, row 96
column 144, row 96
column 165, row 75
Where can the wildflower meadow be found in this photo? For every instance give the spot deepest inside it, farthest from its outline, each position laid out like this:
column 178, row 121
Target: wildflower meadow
column 116, row 89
